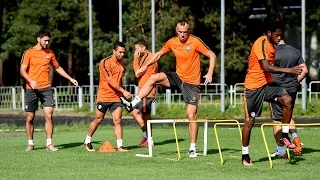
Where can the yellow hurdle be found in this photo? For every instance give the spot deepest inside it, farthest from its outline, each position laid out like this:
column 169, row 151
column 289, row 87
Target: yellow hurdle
column 235, row 122
column 217, row 137
column 277, row 124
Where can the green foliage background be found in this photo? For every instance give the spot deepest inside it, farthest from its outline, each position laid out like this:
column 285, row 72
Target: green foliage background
column 68, row 22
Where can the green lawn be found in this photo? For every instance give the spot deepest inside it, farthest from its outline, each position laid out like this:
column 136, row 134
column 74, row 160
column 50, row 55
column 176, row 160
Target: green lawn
column 73, row 162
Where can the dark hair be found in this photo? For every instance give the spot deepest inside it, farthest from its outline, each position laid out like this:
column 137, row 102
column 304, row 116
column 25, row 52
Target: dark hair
column 274, row 25
column 183, row 21
column 43, row 33
column 142, row 42
column 118, row 44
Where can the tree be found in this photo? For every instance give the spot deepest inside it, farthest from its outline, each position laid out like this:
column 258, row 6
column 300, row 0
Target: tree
column 275, row 11
column 237, row 39
column 137, row 25
column 68, row 22
column 7, row 10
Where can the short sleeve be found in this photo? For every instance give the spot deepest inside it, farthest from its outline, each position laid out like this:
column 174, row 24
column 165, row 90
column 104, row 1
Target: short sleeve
column 201, row 47
column 167, row 47
column 25, row 59
column 259, row 49
column 54, row 61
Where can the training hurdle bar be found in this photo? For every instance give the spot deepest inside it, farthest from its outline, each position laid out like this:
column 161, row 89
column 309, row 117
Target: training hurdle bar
column 162, row 121
column 217, row 137
column 149, row 122
column 279, row 124
column 205, row 141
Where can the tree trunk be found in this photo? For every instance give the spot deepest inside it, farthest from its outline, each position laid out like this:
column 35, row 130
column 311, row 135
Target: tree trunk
column 70, row 58
column 1, row 61
column 1, row 68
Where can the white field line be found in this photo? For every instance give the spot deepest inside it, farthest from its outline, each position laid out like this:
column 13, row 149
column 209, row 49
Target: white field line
column 18, row 130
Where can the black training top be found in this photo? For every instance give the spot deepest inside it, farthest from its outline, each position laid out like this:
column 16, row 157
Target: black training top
column 287, row 57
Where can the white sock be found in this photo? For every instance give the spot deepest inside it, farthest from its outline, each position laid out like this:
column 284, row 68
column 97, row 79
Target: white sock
column 119, row 143
column 245, row 150
column 49, row 141
column 285, row 129
column 88, row 140
column 135, row 101
column 30, row 142
column 281, row 149
column 193, row 146
column 145, row 134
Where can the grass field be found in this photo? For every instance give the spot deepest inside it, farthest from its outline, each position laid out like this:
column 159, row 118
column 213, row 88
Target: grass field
column 73, row 162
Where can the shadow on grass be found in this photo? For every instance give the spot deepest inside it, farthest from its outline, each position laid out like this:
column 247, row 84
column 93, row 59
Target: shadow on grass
column 73, row 145
column 216, row 151
column 169, row 141
column 294, row 159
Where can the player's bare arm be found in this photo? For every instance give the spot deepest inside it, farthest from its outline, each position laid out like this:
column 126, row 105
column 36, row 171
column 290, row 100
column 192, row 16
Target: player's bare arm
column 212, row 62
column 136, row 63
column 61, row 71
column 304, row 72
column 124, row 92
column 154, row 58
column 23, row 72
column 273, row 69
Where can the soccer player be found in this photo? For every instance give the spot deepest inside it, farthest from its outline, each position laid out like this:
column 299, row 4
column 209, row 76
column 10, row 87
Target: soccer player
column 187, row 48
column 111, row 72
column 143, row 111
column 287, row 57
column 34, row 69
column 259, row 87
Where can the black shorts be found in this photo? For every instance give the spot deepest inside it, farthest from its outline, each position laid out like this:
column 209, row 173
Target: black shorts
column 104, row 106
column 144, row 106
column 33, row 96
column 190, row 92
column 253, row 99
column 276, row 108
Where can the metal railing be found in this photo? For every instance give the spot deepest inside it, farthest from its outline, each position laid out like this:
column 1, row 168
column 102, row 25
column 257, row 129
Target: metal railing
column 71, row 97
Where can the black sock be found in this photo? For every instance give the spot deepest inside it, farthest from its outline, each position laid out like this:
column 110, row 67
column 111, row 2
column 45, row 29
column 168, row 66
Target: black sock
column 285, row 135
column 246, row 157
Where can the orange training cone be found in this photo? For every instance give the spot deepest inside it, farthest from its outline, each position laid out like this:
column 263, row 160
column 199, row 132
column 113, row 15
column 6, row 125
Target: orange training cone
column 107, row 147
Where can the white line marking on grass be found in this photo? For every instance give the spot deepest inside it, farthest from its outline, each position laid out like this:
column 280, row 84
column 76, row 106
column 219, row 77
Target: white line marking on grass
column 170, row 159
column 211, row 163
column 234, row 156
column 18, row 130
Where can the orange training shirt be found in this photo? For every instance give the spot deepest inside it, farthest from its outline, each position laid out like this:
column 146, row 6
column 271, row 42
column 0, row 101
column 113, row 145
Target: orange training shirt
column 143, row 77
column 38, row 63
column 256, row 77
column 111, row 73
column 187, row 57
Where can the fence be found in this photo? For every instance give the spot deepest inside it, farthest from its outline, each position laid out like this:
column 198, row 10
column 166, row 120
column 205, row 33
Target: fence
column 71, row 97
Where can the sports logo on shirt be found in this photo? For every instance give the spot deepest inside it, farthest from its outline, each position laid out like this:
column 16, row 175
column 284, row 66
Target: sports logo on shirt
column 47, row 56
column 188, row 48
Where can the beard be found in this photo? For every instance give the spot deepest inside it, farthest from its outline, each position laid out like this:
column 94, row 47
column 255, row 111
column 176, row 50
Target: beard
column 44, row 46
